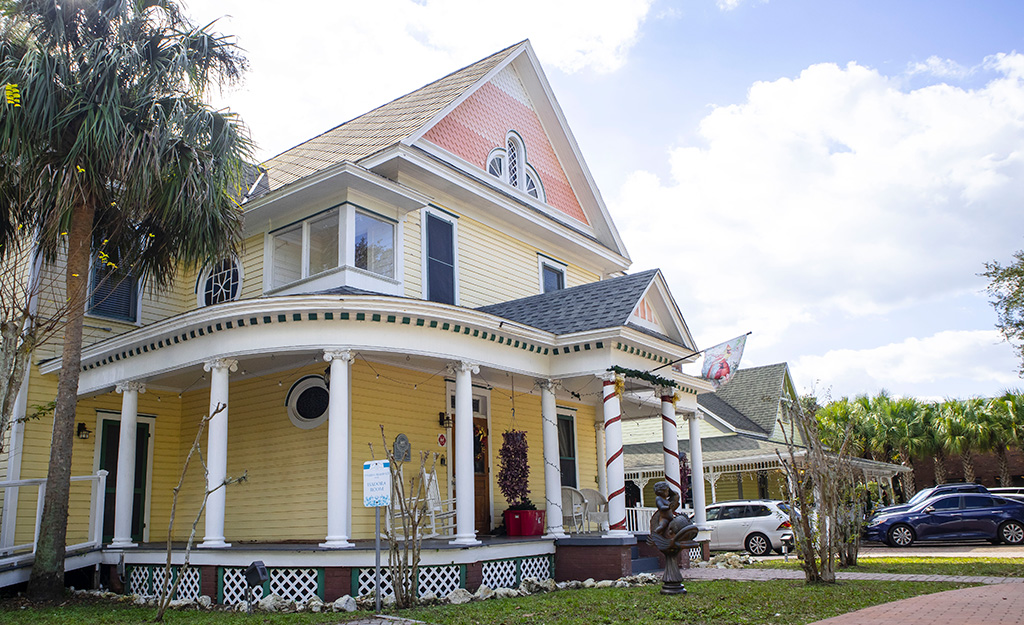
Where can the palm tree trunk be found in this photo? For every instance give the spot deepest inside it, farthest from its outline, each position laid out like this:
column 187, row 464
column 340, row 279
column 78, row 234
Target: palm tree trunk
column 907, row 479
column 968, row 462
column 940, row 467
column 1005, row 478
column 47, row 580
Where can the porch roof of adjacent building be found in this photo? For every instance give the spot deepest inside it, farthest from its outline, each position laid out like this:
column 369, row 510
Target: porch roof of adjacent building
column 754, row 393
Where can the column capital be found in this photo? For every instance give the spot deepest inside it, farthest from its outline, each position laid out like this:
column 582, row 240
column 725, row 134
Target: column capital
column 463, row 366
column 221, row 363
column 344, row 355
column 545, row 384
column 131, row 385
column 665, row 391
column 606, row 376
column 694, row 416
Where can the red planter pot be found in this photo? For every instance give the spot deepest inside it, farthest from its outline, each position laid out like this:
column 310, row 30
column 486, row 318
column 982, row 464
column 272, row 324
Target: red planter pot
column 524, row 522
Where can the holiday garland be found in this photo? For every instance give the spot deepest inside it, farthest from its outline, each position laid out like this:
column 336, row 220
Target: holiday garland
column 646, row 376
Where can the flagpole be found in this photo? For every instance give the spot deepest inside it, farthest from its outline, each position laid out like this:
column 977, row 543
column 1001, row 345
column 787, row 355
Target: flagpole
column 669, row 364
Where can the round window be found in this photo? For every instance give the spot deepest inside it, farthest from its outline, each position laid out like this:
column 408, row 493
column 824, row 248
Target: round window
column 307, row 402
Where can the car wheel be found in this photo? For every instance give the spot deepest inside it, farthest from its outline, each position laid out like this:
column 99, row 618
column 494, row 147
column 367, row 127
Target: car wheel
column 901, row 536
column 1011, row 533
column 758, row 544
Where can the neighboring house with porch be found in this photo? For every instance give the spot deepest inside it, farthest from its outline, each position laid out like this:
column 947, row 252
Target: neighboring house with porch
column 442, row 266
column 744, row 428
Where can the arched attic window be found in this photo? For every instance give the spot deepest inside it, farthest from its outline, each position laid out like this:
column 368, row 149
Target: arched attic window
column 510, row 165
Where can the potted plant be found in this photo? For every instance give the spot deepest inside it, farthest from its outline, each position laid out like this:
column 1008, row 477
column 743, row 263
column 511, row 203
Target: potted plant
column 522, row 517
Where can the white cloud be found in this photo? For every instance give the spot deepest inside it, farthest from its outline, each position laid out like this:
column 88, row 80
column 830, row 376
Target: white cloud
column 835, row 193
column 315, row 68
column 940, row 67
column 953, row 360
column 729, row 5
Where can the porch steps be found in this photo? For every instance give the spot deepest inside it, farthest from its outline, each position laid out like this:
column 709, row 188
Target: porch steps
column 642, row 564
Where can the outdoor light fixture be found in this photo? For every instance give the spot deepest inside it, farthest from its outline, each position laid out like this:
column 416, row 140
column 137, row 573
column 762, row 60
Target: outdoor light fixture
column 255, row 575
column 83, row 432
column 444, row 419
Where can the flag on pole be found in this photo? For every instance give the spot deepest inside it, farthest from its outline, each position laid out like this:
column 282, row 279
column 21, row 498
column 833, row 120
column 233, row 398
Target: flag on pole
column 722, row 361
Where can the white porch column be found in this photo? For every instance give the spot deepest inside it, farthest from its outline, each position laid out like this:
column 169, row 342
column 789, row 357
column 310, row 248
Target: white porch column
column 465, row 490
column 339, row 450
column 125, row 489
column 8, row 521
column 552, row 465
column 670, row 441
column 700, row 518
column 615, row 462
column 602, row 473
column 217, row 451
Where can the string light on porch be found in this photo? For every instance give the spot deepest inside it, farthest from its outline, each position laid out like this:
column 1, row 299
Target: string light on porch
column 415, row 385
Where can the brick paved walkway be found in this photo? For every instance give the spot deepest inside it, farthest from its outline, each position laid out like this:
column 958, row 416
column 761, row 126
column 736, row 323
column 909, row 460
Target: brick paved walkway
column 764, row 574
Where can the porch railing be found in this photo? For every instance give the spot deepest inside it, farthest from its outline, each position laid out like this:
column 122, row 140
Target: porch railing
column 638, row 520
column 13, row 553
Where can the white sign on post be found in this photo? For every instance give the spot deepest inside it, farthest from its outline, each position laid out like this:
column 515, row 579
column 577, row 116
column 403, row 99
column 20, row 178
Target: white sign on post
column 376, row 484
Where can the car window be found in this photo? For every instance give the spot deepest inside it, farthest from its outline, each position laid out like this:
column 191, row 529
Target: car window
column 920, row 496
column 782, row 505
column 977, row 501
column 946, row 503
column 755, row 510
column 712, row 514
column 733, row 512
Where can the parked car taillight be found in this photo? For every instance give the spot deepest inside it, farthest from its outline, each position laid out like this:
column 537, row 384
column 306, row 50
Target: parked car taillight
column 785, row 525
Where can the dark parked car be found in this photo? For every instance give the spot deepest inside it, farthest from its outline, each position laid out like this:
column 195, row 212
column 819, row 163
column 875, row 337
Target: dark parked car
column 934, row 491
column 952, row 517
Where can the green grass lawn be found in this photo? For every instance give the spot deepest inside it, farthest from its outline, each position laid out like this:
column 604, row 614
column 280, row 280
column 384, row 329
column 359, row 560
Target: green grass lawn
column 708, row 602
column 989, row 567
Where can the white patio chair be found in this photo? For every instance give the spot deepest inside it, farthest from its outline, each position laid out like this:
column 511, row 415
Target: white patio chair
column 438, row 515
column 574, row 506
column 596, row 510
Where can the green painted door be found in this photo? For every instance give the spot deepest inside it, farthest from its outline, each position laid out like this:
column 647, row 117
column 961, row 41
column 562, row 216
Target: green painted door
column 110, row 434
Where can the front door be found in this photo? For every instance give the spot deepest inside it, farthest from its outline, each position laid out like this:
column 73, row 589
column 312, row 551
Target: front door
column 110, row 432
column 481, row 475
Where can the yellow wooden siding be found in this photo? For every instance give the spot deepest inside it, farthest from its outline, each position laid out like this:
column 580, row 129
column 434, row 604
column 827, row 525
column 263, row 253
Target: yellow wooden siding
column 413, row 255
column 252, row 266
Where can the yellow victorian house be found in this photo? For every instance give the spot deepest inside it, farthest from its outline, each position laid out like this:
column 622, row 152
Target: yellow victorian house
column 442, row 267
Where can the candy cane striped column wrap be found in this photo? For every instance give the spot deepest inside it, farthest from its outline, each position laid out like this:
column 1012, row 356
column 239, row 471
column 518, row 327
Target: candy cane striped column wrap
column 615, row 463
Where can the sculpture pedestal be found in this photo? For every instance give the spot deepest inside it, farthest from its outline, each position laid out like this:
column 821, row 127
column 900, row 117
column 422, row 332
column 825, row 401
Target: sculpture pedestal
column 672, row 580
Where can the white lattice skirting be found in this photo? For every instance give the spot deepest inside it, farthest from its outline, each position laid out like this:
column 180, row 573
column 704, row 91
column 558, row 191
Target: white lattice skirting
column 292, row 584
column 511, row 573
column 696, row 554
column 147, row 581
column 439, row 581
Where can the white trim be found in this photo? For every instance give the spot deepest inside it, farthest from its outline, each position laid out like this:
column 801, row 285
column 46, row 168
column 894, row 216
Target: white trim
column 446, row 216
column 115, row 415
column 296, row 389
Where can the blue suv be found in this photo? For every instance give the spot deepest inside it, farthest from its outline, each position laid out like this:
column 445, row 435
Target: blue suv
column 951, row 517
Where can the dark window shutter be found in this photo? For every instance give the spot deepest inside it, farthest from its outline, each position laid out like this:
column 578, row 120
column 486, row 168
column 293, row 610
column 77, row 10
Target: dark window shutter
column 440, row 260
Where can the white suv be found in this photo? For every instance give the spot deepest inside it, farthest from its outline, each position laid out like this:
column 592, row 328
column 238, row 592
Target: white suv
column 758, row 526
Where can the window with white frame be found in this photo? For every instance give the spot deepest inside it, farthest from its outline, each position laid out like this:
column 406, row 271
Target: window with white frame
column 509, row 164
column 113, row 293
column 314, row 246
column 552, row 276
column 567, row 449
column 375, row 245
column 439, row 233
column 220, row 282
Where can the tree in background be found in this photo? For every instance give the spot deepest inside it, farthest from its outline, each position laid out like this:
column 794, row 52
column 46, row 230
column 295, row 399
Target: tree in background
column 902, row 428
column 1002, row 419
column 1006, row 286
column 117, row 158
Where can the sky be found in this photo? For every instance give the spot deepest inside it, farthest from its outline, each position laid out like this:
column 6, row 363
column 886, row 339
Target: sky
column 829, row 176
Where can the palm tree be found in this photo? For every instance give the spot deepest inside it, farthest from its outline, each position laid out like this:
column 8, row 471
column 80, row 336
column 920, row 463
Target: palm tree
column 1002, row 418
column 116, row 155
column 962, row 431
column 934, row 444
column 902, row 428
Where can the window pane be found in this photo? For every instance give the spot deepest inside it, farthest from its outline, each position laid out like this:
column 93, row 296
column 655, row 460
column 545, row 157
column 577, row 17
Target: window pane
column 222, row 283
column 323, row 243
column 287, row 256
column 375, row 245
column 440, row 261
column 977, row 501
column 947, row 504
column 713, row 513
column 554, row 279
column 567, row 451
column 114, row 294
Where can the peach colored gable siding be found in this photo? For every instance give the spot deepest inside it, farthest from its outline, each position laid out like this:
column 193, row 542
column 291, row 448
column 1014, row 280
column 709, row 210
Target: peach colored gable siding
column 479, row 124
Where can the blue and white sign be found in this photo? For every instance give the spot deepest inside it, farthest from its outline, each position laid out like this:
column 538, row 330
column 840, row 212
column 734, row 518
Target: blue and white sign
column 376, row 484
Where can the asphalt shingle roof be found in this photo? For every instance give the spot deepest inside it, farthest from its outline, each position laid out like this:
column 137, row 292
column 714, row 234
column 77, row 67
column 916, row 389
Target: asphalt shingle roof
column 716, row 449
column 593, row 306
column 720, row 408
column 755, row 393
column 382, row 127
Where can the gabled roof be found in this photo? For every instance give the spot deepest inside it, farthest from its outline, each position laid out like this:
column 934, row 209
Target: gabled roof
column 593, row 306
column 719, row 408
column 379, row 128
column 755, row 393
